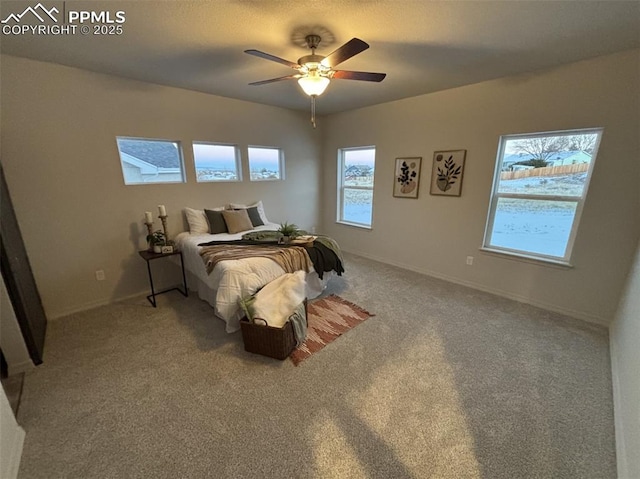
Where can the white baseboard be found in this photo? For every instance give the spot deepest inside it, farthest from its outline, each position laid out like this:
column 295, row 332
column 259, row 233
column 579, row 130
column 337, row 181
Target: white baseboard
column 93, row 304
column 583, row 315
column 103, row 302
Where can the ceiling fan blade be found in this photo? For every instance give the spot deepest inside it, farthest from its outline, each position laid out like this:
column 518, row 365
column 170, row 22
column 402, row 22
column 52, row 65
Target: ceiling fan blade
column 272, row 80
column 366, row 76
column 346, row 51
column 273, row 58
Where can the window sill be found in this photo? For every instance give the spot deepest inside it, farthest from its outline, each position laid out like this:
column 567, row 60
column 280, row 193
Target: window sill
column 513, row 256
column 218, row 181
column 355, row 225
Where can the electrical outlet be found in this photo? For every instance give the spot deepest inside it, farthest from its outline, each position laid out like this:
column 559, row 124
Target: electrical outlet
column 469, row 260
column 100, row 275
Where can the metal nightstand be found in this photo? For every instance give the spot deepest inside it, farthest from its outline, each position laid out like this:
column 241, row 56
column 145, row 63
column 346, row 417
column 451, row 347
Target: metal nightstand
column 149, row 256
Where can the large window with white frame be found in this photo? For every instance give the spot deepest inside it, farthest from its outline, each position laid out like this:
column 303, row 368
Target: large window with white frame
column 216, row 162
column 147, row 161
column 539, row 188
column 265, row 163
column 356, row 167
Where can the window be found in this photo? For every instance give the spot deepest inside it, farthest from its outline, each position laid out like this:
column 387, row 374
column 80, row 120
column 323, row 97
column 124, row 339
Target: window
column 265, row 163
column 539, row 188
column 150, row 161
column 355, row 185
column 216, row 162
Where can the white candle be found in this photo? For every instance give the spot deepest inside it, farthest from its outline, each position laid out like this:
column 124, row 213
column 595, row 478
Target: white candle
column 162, row 210
column 148, row 217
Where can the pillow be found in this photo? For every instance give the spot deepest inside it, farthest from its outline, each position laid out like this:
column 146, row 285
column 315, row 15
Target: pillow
column 258, row 204
column 216, row 221
column 237, row 220
column 197, row 220
column 254, row 215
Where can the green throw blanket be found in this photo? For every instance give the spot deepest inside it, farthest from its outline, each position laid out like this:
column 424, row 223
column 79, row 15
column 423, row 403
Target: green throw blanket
column 266, row 235
column 272, row 235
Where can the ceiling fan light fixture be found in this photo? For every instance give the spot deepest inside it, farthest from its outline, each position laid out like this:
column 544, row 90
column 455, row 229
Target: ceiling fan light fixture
column 313, row 85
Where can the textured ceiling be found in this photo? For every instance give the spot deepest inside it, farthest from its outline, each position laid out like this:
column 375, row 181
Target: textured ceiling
column 423, row 46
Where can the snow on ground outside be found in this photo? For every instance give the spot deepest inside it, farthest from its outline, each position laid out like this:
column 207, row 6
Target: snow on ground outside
column 535, row 226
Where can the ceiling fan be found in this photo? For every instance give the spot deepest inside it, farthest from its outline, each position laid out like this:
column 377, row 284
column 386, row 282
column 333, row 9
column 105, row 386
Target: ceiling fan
column 315, row 72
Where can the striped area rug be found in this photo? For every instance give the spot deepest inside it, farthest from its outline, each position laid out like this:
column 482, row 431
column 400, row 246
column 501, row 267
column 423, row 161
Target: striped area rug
column 328, row 318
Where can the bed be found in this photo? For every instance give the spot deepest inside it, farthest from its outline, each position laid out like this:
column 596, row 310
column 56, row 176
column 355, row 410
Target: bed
column 234, row 279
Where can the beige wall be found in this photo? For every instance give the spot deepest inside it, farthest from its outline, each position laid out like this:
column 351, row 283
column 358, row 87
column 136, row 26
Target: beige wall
column 434, row 234
column 77, row 216
column 624, row 336
column 61, row 163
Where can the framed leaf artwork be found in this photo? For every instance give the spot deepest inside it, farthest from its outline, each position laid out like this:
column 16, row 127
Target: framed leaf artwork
column 447, row 171
column 406, row 180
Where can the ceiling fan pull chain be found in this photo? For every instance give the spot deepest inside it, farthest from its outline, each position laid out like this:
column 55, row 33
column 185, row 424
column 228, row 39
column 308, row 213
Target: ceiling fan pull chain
column 313, row 110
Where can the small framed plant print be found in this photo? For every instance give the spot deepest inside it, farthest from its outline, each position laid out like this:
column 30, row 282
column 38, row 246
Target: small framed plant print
column 406, row 181
column 447, row 171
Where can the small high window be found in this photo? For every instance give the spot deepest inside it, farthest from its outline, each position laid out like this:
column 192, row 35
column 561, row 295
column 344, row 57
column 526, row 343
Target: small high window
column 216, row 162
column 539, row 188
column 146, row 161
column 265, row 163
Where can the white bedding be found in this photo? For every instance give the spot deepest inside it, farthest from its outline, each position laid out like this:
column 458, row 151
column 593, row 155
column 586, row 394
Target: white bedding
column 234, row 279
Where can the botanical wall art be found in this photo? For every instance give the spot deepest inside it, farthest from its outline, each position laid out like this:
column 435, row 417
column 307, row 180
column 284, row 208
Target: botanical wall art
column 407, row 177
column 446, row 177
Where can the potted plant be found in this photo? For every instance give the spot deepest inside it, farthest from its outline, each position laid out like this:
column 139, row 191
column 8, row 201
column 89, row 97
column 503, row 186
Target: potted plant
column 157, row 240
column 288, row 231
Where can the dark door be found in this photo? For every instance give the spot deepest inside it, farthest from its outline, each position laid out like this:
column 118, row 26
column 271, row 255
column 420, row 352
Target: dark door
column 18, row 278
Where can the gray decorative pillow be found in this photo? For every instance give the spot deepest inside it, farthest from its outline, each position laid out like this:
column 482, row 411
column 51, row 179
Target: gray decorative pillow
column 237, row 220
column 258, row 204
column 216, row 222
column 254, row 216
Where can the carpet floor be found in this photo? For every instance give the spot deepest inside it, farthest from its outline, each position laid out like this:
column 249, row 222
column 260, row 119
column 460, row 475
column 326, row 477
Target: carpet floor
column 444, row 382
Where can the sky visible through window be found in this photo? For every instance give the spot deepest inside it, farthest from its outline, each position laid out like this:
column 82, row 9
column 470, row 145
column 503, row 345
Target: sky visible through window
column 215, row 162
column 264, row 163
column 214, row 156
column 359, row 157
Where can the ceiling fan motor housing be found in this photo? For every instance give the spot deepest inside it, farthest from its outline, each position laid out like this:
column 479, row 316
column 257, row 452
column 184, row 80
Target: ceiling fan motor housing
column 310, row 60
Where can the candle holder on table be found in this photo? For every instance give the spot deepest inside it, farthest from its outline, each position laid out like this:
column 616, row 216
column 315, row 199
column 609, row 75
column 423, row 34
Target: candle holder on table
column 149, row 233
column 168, row 245
column 164, row 226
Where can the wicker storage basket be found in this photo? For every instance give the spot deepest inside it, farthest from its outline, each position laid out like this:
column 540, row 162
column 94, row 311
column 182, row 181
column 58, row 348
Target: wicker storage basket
column 277, row 343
